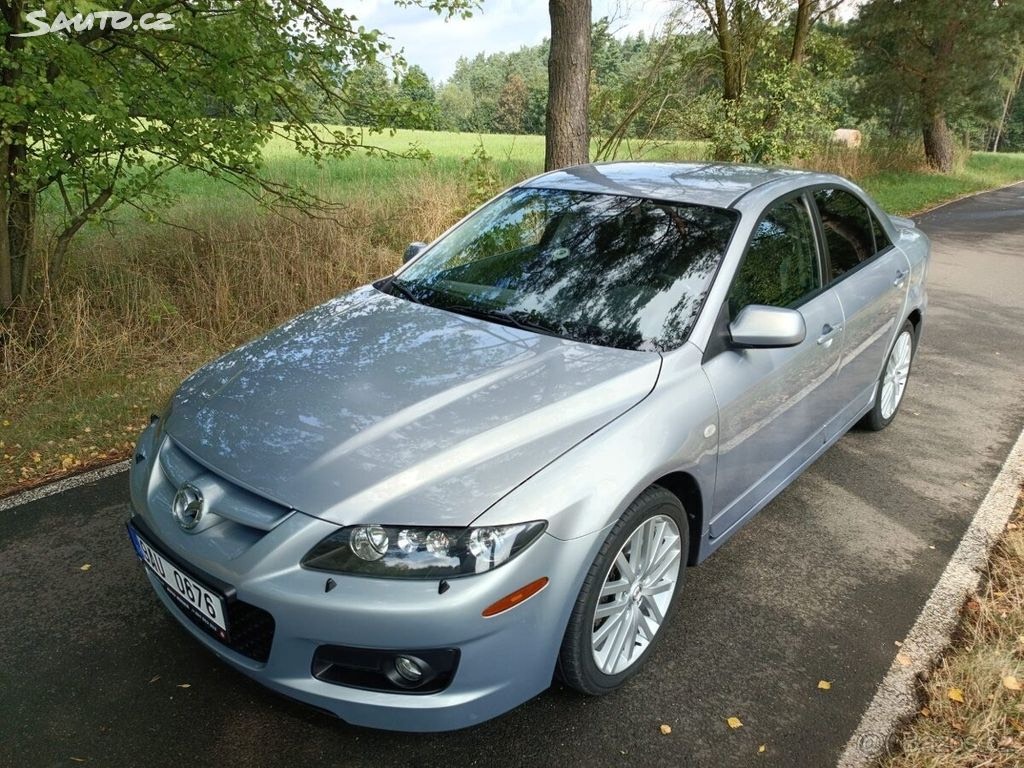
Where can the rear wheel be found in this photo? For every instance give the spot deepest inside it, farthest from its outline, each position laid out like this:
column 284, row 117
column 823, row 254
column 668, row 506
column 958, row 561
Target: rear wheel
column 628, row 596
column 893, row 381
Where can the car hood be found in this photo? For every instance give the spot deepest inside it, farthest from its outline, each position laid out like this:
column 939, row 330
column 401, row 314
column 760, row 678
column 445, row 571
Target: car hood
column 371, row 408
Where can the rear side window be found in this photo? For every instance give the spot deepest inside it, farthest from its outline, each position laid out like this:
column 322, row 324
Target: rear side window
column 882, row 240
column 780, row 267
column 849, row 229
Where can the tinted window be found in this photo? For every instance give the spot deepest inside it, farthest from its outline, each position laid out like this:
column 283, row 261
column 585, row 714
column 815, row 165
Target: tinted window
column 882, row 240
column 604, row 269
column 848, row 229
column 781, row 264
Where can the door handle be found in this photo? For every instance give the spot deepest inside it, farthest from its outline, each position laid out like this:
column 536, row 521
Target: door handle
column 901, row 277
column 828, row 333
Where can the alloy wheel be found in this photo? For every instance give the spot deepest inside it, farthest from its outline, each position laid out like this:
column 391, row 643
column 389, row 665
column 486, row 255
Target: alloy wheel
column 636, row 594
column 897, row 371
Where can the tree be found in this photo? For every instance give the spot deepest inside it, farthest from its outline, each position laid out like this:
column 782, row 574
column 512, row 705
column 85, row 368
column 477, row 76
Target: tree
column 740, row 26
column 567, row 129
column 470, row 98
column 418, row 100
column 944, row 57
column 512, row 103
column 750, row 31
column 1011, row 138
column 370, row 93
column 95, row 115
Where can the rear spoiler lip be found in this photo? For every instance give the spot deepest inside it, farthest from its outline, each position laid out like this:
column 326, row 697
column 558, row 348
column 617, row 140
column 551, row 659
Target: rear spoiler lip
column 902, row 223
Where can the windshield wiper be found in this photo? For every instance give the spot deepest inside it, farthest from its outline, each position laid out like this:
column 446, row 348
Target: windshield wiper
column 401, row 290
column 503, row 318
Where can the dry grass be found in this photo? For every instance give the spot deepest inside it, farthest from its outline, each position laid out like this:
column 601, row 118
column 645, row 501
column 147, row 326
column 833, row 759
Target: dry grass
column 987, row 728
column 137, row 311
column 870, row 159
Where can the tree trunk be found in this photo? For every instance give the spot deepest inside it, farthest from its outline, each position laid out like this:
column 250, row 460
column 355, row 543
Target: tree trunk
column 12, row 152
column 568, row 129
column 732, row 70
column 1011, row 94
column 21, row 220
column 938, row 140
column 6, row 273
column 801, row 29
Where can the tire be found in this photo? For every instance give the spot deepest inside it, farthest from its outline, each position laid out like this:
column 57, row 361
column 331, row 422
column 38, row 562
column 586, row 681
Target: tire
column 658, row 513
column 892, row 382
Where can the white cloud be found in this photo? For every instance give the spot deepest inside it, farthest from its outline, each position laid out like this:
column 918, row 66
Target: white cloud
column 500, row 25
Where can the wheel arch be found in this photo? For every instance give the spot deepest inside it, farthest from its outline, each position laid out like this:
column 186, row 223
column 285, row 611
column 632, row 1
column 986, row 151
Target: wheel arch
column 685, row 487
column 915, row 318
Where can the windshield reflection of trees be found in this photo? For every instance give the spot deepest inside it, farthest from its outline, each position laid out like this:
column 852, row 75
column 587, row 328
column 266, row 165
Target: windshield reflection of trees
column 606, row 269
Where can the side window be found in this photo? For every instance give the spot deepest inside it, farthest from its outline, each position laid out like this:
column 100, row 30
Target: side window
column 848, row 229
column 882, row 240
column 780, row 266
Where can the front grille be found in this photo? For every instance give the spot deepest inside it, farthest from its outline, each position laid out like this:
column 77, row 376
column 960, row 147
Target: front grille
column 251, row 629
column 231, row 501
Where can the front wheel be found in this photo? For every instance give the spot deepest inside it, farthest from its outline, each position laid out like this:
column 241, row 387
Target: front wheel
column 628, row 595
column 893, row 381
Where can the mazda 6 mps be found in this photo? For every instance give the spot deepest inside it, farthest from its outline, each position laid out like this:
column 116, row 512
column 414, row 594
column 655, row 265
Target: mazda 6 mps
column 415, row 505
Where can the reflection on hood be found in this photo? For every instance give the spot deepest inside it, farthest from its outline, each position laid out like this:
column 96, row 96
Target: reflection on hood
column 373, row 408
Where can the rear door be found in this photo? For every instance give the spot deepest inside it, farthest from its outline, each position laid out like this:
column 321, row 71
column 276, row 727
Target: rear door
column 871, row 277
column 774, row 403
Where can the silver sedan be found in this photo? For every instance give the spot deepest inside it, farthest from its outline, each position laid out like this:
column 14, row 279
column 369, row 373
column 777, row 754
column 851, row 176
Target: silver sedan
column 416, row 504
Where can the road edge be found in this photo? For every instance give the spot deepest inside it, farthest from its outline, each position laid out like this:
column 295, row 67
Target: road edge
column 59, row 486
column 895, row 700
column 960, row 199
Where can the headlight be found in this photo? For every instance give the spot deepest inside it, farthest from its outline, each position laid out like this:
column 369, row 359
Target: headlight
column 402, row 552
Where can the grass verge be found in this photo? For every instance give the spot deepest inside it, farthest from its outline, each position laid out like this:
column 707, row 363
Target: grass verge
column 972, row 712
column 142, row 305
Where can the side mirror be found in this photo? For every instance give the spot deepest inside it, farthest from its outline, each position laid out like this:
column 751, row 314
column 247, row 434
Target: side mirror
column 414, row 250
column 758, row 326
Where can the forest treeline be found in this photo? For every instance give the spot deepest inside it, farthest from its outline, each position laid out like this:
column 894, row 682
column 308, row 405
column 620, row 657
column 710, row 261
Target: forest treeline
column 750, row 78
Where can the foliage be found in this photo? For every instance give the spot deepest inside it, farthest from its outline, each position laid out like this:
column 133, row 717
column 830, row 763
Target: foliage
column 928, row 64
column 416, row 94
column 510, row 111
column 786, row 111
column 471, row 97
column 778, row 86
column 1013, row 140
column 506, row 92
column 94, row 118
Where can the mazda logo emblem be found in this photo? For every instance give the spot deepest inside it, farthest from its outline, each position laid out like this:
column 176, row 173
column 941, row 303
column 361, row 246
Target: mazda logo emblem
column 188, row 506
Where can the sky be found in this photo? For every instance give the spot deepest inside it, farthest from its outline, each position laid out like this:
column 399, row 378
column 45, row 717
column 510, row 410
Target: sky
column 499, row 25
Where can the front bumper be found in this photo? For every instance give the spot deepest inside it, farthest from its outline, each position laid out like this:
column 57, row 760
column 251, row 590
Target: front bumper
column 504, row 660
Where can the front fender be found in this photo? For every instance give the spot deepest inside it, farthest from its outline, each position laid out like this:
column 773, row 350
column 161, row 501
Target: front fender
column 675, row 429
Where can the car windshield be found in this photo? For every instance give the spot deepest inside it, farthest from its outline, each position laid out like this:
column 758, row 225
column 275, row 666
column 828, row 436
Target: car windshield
column 603, row 269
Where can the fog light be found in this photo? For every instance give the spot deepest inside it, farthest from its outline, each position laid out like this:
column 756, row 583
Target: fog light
column 409, row 668
column 412, row 672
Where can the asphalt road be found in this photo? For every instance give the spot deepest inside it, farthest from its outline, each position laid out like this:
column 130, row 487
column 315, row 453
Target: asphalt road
column 817, row 587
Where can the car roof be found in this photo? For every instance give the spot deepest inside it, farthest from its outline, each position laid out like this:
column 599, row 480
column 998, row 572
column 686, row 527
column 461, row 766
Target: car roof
column 716, row 184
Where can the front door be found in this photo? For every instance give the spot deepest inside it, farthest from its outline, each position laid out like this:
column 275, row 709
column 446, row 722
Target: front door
column 774, row 403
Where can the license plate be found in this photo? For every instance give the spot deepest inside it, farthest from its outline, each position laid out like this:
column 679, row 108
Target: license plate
column 203, row 602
